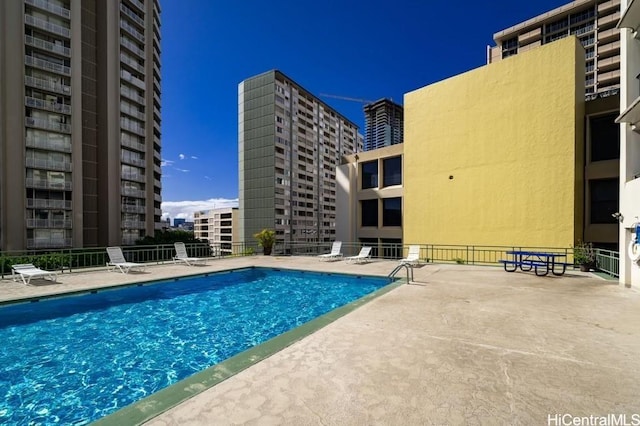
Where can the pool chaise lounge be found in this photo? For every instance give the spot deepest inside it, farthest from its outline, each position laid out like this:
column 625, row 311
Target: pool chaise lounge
column 26, row 271
column 413, row 257
column 362, row 257
column 182, row 256
column 118, row 261
column 335, row 252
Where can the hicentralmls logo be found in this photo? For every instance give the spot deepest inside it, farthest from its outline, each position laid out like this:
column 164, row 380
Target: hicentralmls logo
column 604, row 420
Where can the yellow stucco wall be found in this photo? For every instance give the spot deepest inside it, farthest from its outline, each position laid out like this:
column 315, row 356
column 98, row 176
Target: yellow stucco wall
column 511, row 136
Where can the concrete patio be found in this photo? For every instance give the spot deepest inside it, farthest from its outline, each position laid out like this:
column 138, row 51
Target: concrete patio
column 461, row 345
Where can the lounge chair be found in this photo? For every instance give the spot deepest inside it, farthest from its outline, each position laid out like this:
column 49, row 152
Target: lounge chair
column 413, row 257
column 182, row 256
column 362, row 257
column 117, row 261
column 26, row 271
column 335, row 252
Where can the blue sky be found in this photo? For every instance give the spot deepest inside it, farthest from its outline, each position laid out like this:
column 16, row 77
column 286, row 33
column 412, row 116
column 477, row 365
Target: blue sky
column 353, row 48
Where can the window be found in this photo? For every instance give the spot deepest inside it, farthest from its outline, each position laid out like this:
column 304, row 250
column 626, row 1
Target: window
column 392, row 211
column 369, row 173
column 369, row 212
column 604, row 200
column 605, row 138
column 392, row 171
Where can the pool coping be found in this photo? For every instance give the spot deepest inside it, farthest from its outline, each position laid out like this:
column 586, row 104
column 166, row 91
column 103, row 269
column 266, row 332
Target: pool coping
column 171, row 396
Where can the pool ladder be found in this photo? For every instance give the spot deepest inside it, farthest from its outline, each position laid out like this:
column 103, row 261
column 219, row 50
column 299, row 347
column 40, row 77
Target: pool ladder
column 409, row 269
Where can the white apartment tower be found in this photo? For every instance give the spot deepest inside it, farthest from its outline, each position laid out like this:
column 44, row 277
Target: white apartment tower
column 289, row 144
column 79, row 122
column 218, row 226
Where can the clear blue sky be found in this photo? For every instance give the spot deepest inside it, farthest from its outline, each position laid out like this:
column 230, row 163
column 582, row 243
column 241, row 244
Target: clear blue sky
column 355, row 48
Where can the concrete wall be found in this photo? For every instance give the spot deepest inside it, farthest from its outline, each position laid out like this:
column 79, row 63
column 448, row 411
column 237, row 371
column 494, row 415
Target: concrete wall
column 494, row 156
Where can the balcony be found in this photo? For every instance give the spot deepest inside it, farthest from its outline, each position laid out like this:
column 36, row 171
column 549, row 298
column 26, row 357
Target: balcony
column 157, row 169
column 134, row 161
column 131, row 15
column 157, row 212
column 47, row 26
column 33, row 243
column 608, row 21
column 133, row 64
column 49, row 223
column 530, row 36
column 36, row 163
column 608, row 64
column 133, row 209
column 133, row 80
column 132, row 127
column 608, row 6
column 133, row 113
column 133, row 224
column 137, row 4
column 609, row 49
column 44, row 203
column 42, row 143
column 50, row 7
column 136, row 177
column 48, row 106
column 608, row 78
column 157, row 197
column 609, row 35
column 48, row 184
column 132, row 192
column 132, row 47
column 133, row 145
column 41, row 123
column 46, row 65
column 47, row 85
column 47, row 45
column 131, row 30
column 132, row 96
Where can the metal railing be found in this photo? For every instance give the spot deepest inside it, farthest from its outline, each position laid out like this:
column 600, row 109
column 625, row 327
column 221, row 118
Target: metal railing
column 47, row 45
column 49, row 106
column 48, row 26
column 67, row 259
column 52, row 86
column 54, row 8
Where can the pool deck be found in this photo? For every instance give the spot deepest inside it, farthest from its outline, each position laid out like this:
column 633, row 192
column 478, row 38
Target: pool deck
column 462, row 345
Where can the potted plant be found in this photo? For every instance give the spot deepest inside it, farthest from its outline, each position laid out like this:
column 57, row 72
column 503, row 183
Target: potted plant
column 266, row 238
column 584, row 256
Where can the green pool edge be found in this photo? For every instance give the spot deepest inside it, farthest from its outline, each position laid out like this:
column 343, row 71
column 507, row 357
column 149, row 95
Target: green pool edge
column 171, row 396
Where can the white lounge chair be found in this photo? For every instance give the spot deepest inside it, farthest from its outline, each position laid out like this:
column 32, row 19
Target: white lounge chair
column 117, row 261
column 26, row 271
column 335, row 252
column 362, row 257
column 413, row 257
column 182, row 256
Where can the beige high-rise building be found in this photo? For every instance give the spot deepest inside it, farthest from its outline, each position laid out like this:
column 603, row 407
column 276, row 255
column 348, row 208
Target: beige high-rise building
column 592, row 21
column 79, row 122
column 220, row 227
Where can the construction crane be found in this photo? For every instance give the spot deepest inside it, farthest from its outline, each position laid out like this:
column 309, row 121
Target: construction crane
column 345, row 98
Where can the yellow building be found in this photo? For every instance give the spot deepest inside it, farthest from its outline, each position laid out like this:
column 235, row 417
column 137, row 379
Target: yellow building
column 494, row 156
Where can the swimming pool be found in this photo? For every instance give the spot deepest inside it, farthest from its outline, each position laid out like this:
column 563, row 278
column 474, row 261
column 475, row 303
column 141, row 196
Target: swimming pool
column 76, row 359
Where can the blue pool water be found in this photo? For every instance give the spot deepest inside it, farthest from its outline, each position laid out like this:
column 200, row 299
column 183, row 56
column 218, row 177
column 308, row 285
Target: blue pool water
column 75, row 359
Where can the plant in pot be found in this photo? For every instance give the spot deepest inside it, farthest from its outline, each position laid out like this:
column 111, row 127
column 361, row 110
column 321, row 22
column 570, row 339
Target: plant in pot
column 266, row 239
column 584, row 256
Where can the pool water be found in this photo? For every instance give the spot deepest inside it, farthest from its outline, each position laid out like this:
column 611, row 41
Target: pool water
column 72, row 360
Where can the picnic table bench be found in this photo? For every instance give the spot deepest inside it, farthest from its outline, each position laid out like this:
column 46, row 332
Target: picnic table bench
column 541, row 262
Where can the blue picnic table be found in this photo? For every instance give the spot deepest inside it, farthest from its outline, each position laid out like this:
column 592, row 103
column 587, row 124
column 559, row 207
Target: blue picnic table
column 541, row 262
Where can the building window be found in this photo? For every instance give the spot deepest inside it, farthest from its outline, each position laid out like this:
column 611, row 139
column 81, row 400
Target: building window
column 369, row 212
column 605, row 138
column 392, row 171
column 392, row 211
column 604, row 200
column 369, row 173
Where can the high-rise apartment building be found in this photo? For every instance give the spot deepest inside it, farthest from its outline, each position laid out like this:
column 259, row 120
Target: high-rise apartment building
column 592, row 21
column 220, row 227
column 289, row 144
column 79, row 122
column 383, row 124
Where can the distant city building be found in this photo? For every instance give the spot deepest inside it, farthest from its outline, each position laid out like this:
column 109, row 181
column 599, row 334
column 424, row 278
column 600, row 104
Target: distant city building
column 592, row 21
column 383, row 124
column 289, row 144
column 219, row 227
column 79, row 123
column 178, row 221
